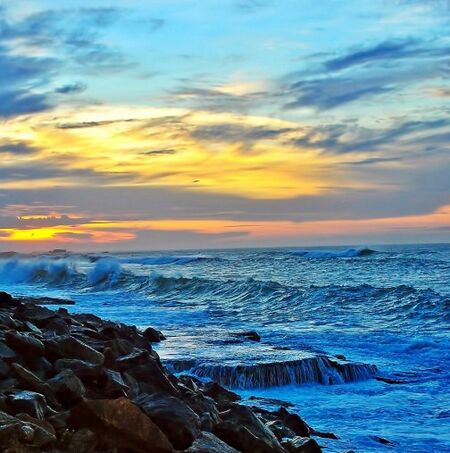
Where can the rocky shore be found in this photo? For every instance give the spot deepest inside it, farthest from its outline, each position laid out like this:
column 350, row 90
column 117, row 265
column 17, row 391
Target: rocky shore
column 78, row 383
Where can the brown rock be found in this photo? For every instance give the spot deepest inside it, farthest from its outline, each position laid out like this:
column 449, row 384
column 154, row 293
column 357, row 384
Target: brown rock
column 177, row 420
column 120, row 424
column 82, row 441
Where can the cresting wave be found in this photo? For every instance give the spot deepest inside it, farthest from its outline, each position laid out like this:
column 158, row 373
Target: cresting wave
column 348, row 253
column 310, row 370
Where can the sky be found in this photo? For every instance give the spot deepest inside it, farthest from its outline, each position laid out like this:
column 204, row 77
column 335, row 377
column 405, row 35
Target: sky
column 172, row 124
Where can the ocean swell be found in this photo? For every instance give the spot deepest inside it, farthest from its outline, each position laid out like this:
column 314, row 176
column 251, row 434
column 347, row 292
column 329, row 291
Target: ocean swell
column 348, row 253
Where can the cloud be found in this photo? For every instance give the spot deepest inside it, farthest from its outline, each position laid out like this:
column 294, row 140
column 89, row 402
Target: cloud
column 160, row 152
column 18, row 147
column 72, row 88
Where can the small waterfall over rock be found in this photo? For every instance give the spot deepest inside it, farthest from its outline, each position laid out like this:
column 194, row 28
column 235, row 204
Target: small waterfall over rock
column 315, row 369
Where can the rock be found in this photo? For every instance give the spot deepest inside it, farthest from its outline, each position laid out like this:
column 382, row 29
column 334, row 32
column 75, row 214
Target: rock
column 4, row 369
column 69, row 347
column 44, row 432
column 153, row 335
column 6, row 300
column 119, row 424
column 209, row 443
column 272, row 401
column 84, row 370
column 120, row 347
column 82, row 441
column 32, row 328
column 30, row 403
column 325, row 435
column 24, row 344
column 280, row 429
column 178, row 421
column 68, row 387
column 382, row 440
column 57, row 325
column 6, row 353
column 59, row 420
column 220, row 394
column 36, row 314
column 113, row 384
column 7, row 321
column 245, row 432
column 302, row 445
column 250, row 335
column 293, row 422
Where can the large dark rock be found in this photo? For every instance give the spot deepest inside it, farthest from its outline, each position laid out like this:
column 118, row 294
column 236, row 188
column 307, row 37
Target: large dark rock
column 175, row 418
column 6, row 300
column 120, row 424
column 34, row 313
column 249, row 335
column 84, row 370
column 6, row 353
column 280, row 429
column 221, row 395
column 243, row 430
column 209, row 443
column 69, row 347
column 25, row 344
column 30, row 403
column 67, row 387
column 153, row 335
column 293, row 422
column 302, row 445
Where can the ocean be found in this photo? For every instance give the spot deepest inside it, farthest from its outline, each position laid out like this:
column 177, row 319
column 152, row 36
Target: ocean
column 357, row 339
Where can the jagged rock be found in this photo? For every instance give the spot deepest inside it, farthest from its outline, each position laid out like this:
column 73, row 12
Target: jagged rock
column 209, row 443
column 243, row 430
column 178, row 421
column 120, row 347
column 325, row 435
column 302, row 445
column 58, row 326
column 113, row 384
column 220, row 394
column 84, row 370
column 293, row 422
column 69, row 347
column 34, row 313
column 44, row 432
column 153, row 335
column 250, row 335
column 59, row 420
column 134, row 358
column 280, row 429
column 7, row 385
column 25, row 344
column 30, row 403
column 68, row 387
column 120, row 424
column 382, row 440
column 7, row 321
column 32, row 328
column 6, row 300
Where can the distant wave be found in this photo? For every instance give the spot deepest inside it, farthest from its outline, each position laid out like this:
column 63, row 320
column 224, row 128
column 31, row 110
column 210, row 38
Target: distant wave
column 167, row 259
column 348, row 253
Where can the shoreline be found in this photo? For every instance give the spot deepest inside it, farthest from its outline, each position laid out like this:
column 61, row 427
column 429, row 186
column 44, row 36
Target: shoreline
column 76, row 382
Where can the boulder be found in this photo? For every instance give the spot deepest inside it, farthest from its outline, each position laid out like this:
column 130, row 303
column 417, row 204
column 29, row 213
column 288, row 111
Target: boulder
column 36, row 314
column 82, row 441
column 84, row 370
column 293, row 422
column 6, row 353
column 24, row 344
column 249, row 335
column 30, row 403
column 302, row 445
column 67, row 387
column 4, row 369
column 219, row 394
column 209, row 443
column 119, row 424
column 244, row 431
column 280, row 429
column 6, row 300
column 176, row 419
column 153, row 335
column 69, row 347
column 57, row 325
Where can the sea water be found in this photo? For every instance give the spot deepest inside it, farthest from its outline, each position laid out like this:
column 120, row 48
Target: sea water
column 356, row 339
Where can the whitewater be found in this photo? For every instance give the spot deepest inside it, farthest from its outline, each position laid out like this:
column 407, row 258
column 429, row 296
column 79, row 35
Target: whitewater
column 356, row 338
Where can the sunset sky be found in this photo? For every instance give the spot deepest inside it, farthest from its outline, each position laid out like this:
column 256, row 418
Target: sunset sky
column 152, row 124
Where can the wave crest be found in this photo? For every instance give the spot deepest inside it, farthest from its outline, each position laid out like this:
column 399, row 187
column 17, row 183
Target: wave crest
column 348, row 253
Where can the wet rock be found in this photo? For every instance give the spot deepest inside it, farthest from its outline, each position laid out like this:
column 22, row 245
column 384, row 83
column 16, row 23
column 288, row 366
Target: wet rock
column 153, row 335
column 120, row 424
column 6, row 300
column 243, row 430
column 68, row 387
column 25, row 344
column 30, row 403
column 220, row 394
column 34, row 313
column 293, row 422
column 178, row 421
column 44, row 432
column 6, row 353
column 208, row 443
column 7, row 321
column 84, row 370
column 280, row 429
column 249, row 335
column 120, row 347
column 82, row 441
column 274, row 401
column 58, row 326
column 67, row 346
column 302, row 445
column 382, row 440
column 325, row 435
column 113, row 384
column 59, row 420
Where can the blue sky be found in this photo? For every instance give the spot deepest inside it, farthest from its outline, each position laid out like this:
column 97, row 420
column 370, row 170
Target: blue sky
column 226, row 114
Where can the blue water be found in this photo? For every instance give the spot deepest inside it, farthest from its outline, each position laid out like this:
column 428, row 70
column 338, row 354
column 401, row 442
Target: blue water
column 389, row 308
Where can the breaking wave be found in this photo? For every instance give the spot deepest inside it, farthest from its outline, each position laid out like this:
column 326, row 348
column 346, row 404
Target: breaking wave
column 310, row 370
column 348, row 253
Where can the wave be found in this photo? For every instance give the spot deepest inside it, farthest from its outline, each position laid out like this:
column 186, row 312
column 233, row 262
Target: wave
column 310, row 370
column 348, row 253
column 167, row 259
